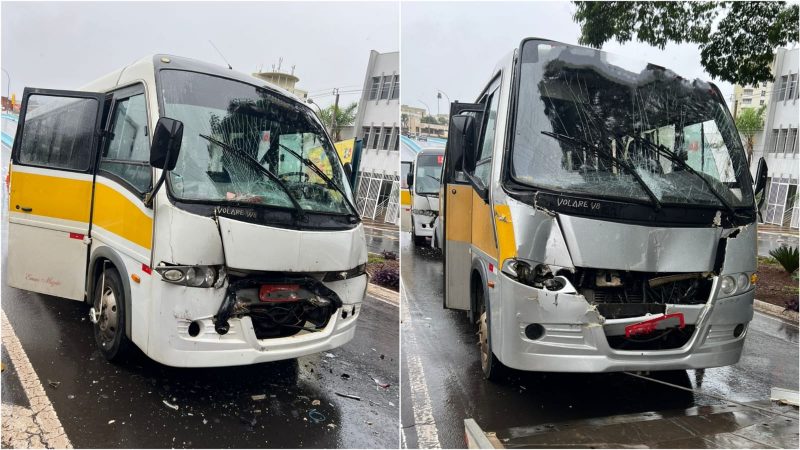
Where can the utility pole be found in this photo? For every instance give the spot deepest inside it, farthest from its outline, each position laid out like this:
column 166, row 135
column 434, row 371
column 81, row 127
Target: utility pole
column 335, row 112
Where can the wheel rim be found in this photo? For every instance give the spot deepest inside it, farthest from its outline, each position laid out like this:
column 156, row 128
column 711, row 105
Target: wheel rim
column 108, row 322
column 483, row 341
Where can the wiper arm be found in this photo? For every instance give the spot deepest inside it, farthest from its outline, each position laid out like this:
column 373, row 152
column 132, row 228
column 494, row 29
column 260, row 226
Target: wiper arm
column 670, row 155
column 600, row 151
column 300, row 213
column 322, row 175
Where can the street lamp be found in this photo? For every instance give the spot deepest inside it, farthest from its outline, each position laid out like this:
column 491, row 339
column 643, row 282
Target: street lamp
column 426, row 107
column 310, row 101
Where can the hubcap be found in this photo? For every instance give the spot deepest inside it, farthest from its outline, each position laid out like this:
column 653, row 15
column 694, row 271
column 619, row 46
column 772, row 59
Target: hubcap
column 483, row 341
column 109, row 319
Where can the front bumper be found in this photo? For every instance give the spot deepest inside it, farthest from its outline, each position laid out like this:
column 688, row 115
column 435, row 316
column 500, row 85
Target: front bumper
column 171, row 344
column 423, row 225
column 575, row 333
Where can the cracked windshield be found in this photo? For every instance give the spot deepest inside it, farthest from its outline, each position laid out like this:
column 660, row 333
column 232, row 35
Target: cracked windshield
column 593, row 123
column 243, row 144
column 429, row 173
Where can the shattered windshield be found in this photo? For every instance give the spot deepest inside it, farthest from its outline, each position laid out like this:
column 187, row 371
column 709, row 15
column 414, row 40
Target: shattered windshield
column 592, row 123
column 229, row 127
column 429, row 174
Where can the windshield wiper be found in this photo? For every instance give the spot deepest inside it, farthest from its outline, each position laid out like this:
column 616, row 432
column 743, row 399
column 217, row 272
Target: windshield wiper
column 670, row 155
column 300, row 213
column 322, row 175
column 601, row 151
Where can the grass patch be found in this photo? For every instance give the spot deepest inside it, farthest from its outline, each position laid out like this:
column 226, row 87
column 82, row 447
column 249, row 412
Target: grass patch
column 375, row 259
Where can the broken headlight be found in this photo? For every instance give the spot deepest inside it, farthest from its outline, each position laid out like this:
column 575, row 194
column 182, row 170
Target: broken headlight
column 193, row 276
column 424, row 212
column 346, row 274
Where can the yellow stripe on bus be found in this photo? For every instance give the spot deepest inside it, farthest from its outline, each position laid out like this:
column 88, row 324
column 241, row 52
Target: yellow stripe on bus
column 505, row 233
column 68, row 199
column 115, row 213
column 405, row 197
column 483, row 226
column 56, row 197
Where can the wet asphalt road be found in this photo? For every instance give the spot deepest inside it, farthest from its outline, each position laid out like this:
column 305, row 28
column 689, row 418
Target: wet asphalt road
column 447, row 347
column 215, row 407
column 382, row 237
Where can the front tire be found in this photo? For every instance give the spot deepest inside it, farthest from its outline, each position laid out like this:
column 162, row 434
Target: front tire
column 493, row 369
column 109, row 305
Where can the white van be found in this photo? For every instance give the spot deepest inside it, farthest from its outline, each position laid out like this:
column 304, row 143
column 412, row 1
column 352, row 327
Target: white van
column 424, row 181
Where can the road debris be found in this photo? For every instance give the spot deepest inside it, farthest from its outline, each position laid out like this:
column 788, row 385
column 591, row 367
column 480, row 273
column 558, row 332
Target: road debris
column 259, row 397
column 170, row 405
column 316, row 416
column 315, row 403
column 53, row 384
column 111, row 421
column 330, row 355
column 345, row 376
column 381, row 384
column 350, row 396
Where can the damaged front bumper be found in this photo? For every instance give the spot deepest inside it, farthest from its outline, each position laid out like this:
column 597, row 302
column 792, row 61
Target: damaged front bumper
column 577, row 338
column 179, row 345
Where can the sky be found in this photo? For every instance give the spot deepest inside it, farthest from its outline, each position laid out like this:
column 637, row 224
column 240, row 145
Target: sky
column 67, row 45
column 453, row 47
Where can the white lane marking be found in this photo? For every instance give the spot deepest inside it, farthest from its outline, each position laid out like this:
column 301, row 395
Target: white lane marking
column 46, row 424
column 776, row 319
column 425, row 424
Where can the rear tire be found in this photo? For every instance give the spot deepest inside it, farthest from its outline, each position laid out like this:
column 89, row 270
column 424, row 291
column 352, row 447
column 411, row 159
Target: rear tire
column 493, row 369
column 109, row 304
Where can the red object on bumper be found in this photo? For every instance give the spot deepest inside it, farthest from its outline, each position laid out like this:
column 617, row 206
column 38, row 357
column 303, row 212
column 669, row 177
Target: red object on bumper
column 285, row 292
column 648, row 326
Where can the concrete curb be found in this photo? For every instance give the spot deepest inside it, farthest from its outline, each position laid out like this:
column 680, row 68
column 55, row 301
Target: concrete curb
column 384, row 294
column 774, row 310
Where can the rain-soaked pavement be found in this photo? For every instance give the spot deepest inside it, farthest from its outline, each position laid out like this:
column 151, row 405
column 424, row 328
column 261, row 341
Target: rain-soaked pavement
column 453, row 388
column 216, row 407
column 382, row 236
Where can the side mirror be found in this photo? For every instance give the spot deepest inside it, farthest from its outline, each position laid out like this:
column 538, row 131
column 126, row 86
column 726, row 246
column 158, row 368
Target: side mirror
column 166, row 143
column 463, row 138
column 410, row 178
column 761, row 176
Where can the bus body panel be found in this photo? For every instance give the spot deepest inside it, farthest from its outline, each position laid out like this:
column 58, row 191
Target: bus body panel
column 458, row 233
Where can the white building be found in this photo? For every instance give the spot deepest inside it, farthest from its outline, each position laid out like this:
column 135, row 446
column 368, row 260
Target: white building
column 377, row 123
column 780, row 144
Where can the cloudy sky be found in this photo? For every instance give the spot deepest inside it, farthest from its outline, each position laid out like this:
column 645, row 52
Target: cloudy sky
column 66, row 45
column 454, row 46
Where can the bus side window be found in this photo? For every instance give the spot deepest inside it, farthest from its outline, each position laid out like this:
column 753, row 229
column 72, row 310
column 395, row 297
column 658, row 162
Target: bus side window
column 483, row 160
column 127, row 154
column 58, row 132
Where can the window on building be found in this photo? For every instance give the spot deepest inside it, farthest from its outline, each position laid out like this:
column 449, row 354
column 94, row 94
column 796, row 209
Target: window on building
column 396, row 87
column 783, row 86
column 747, row 101
column 386, row 87
column 792, row 87
column 365, row 138
column 773, row 142
column 396, row 141
column 792, row 141
column 781, row 141
column 761, row 102
column 763, row 93
column 128, row 154
column 376, row 138
column 748, row 92
column 373, row 90
column 387, row 138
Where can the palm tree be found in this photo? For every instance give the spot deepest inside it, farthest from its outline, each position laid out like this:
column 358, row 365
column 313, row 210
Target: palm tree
column 344, row 117
column 749, row 122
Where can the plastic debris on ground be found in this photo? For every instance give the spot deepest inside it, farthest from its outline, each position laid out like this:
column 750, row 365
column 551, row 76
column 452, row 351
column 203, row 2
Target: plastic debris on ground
column 170, row 405
column 258, row 397
column 351, row 396
column 316, row 416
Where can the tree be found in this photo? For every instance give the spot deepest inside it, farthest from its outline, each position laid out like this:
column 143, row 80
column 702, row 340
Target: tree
column 429, row 119
column 737, row 48
column 749, row 122
column 345, row 116
column 442, row 120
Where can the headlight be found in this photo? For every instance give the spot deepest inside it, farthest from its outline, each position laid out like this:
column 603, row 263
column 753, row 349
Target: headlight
column 742, row 282
column 424, row 212
column 193, row 276
column 728, row 285
column 736, row 283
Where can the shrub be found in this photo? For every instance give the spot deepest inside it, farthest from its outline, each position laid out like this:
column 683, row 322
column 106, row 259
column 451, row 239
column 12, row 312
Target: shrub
column 792, row 305
column 388, row 278
column 389, row 255
column 787, row 257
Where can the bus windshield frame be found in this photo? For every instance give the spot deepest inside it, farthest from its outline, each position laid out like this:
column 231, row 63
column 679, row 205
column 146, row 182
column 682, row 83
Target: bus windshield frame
column 585, row 120
column 262, row 126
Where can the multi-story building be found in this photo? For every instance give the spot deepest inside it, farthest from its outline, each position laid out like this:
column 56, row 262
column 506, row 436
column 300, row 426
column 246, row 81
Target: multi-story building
column 377, row 123
column 414, row 125
column 780, row 144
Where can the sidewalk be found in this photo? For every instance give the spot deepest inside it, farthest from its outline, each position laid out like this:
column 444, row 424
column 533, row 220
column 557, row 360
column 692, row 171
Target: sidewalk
column 767, row 228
